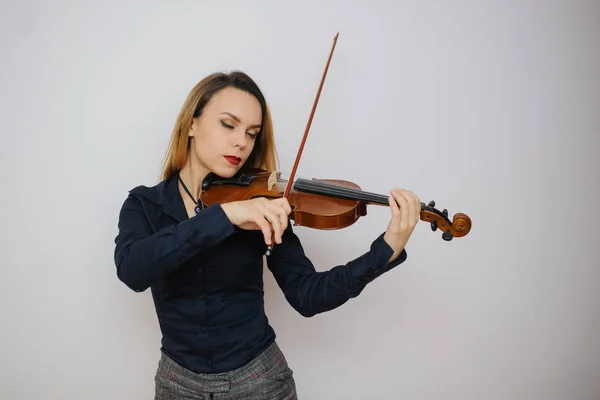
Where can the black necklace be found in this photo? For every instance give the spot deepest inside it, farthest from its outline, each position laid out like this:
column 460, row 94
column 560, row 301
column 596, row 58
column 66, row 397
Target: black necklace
column 199, row 204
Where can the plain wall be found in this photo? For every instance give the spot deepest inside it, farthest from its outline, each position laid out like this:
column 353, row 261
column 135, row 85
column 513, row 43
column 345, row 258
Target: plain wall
column 488, row 108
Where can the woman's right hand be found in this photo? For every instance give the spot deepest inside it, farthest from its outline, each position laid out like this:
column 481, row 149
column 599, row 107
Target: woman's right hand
column 269, row 216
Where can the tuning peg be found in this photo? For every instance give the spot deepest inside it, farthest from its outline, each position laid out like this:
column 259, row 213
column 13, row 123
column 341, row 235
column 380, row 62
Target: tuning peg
column 447, row 236
column 434, row 225
column 431, row 203
column 445, row 212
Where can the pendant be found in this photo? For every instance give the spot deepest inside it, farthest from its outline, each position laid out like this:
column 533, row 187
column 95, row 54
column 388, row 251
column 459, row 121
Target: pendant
column 197, row 209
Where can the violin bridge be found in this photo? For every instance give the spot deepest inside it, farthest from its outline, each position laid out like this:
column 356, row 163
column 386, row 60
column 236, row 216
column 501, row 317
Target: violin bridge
column 273, row 179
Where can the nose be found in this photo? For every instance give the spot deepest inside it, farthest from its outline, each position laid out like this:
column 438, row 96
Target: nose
column 240, row 139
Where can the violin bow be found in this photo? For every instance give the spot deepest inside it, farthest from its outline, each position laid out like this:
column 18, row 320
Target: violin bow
column 288, row 188
column 310, row 118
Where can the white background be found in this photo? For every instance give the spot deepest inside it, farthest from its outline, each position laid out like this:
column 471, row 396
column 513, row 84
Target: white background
column 488, row 108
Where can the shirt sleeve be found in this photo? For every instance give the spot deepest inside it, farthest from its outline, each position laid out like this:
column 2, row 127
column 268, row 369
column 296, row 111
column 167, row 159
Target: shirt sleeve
column 311, row 292
column 143, row 256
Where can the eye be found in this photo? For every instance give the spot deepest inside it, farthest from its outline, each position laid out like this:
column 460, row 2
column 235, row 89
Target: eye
column 252, row 135
column 226, row 125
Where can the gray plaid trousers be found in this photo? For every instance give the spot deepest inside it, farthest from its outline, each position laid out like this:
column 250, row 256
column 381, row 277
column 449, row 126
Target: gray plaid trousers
column 267, row 377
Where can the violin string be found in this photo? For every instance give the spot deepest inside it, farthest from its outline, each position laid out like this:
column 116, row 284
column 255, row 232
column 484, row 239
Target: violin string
column 328, row 187
column 337, row 190
column 346, row 189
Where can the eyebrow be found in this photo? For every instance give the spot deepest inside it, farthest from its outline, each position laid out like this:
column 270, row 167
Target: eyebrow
column 238, row 120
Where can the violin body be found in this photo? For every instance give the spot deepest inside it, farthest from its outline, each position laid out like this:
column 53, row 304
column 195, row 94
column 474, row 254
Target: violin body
column 320, row 211
column 313, row 210
column 319, row 203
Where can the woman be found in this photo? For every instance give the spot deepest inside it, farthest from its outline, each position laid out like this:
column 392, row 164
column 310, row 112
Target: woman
column 204, row 265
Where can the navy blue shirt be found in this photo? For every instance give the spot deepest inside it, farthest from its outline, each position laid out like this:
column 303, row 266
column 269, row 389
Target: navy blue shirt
column 206, row 277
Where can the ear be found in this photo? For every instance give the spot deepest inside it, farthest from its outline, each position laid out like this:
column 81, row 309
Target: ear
column 193, row 128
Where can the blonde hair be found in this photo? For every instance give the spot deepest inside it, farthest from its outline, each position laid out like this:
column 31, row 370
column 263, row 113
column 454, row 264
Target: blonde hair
column 264, row 154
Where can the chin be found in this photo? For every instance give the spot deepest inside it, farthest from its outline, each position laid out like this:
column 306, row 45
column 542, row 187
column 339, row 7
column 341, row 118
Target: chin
column 226, row 171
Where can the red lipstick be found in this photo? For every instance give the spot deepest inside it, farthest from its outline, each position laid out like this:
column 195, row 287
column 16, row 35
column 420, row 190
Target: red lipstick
column 233, row 159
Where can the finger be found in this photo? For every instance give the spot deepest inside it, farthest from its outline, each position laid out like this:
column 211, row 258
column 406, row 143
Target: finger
column 410, row 198
column 264, row 225
column 273, row 218
column 415, row 204
column 281, row 215
column 283, row 203
column 283, row 209
column 271, row 215
column 403, row 204
column 287, row 207
column 394, row 206
column 417, row 208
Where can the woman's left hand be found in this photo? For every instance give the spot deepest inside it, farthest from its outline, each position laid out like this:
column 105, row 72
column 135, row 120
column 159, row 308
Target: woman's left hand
column 406, row 211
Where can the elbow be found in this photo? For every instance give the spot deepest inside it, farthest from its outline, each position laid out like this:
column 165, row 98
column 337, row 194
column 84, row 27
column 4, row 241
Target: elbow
column 311, row 302
column 306, row 312
column 127, row 273
column 309, row 307
column 303, row 308
column 132, row 281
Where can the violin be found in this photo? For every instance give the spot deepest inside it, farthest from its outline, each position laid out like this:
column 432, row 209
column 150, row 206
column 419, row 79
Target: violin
column 318, row 203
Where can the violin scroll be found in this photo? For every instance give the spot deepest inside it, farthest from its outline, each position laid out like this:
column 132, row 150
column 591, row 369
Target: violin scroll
column 458, row 227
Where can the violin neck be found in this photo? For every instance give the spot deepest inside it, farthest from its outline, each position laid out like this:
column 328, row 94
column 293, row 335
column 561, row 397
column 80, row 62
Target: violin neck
column 339, row 191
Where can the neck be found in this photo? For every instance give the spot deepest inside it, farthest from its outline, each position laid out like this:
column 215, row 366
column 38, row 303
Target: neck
column 192, row 175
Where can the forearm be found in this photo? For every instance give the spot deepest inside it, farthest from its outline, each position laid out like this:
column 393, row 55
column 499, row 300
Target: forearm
column 142, row 257
column 311, row 292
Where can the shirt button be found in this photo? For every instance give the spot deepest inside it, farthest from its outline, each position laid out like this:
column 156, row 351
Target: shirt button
column 200, row 270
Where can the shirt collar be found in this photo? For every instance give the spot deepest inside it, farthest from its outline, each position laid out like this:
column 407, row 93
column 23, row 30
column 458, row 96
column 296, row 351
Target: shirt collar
column 166, row 196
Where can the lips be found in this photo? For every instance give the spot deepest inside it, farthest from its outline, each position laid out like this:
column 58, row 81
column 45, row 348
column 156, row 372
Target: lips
column 233, row 159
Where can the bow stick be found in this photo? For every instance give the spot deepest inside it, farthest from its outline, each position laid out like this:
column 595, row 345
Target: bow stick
column 288, row 188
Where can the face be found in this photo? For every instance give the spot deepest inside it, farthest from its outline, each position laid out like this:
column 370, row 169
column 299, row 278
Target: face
column 225, row 134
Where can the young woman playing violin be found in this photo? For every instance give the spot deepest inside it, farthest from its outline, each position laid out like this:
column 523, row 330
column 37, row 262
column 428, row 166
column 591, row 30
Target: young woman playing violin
column 204, row 263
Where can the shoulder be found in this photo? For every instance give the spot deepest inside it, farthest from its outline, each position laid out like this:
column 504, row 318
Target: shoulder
column 146, row 205
column 154, row 194
column 148, row 199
